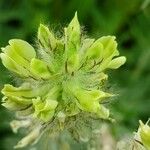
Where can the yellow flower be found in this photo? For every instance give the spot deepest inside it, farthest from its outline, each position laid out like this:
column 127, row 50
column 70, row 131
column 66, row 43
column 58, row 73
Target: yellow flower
column 144, row 132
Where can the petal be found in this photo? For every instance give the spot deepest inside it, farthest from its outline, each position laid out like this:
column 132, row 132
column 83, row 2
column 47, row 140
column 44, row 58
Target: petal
column 13, row 106
column 17, row 124
column 50, row 105
column 23, row 48
column 95, row 51
column 110, row 46
column 44, row 110
column 9, row 51
column 46, row 38
column 13, row 66
column 117, row 62
column 72, row 36
column 145, row 134
column 20, row 100
column 29, row 139
column 39, row 68
column 88, row 100
column 46, row 116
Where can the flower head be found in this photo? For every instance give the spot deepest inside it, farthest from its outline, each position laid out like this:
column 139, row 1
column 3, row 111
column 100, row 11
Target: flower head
column 62, row 78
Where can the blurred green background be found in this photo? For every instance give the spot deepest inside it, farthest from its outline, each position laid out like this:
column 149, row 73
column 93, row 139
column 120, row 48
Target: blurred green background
column 128, row 20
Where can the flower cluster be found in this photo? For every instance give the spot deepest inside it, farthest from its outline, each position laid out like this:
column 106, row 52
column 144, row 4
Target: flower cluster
column 62, row 78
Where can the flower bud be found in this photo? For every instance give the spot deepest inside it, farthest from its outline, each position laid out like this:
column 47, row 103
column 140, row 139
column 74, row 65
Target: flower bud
column 72, row 36
column 17, row 56
column 46, row 38
column 144, row 131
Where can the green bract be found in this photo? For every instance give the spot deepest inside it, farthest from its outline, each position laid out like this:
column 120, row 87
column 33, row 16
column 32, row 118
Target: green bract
column 62, row 78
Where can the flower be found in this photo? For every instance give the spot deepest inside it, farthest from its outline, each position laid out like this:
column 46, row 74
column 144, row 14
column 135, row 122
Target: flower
column 44, row 110
column 62, row 78
column 144, row 133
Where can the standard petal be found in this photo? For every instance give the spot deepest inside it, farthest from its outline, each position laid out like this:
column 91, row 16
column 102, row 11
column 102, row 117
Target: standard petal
column 10, row 64
column 9, row 51
column 23, row 48
column 95, row 50
column 39, row 68
column 110, row 46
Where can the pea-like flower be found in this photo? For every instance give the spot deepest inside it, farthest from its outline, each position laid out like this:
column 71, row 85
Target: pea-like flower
column 144, row 134
column 62, row 78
